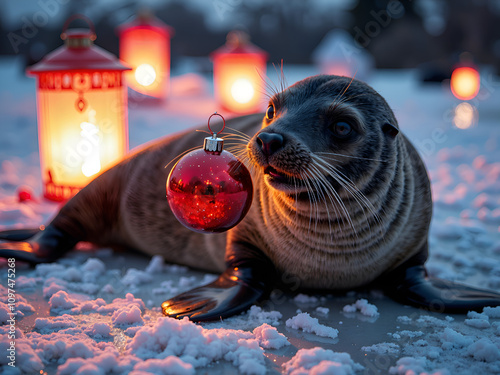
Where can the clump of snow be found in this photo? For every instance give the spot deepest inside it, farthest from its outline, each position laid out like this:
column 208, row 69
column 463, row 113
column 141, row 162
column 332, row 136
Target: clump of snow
column 382, row 348
column 256, row 314
column 417, row 365
column 156, row 264
column 309, row 324
column 127, row 315
column 321, row 361
column 98, row 330
column 269, row 337
column 484, row 350
column 135, row 277
column 305, row 299
column 477, row 323
column 322, row 310
column 23, row 282
column 170, row 365
column 46, row 325
column 197, row 345
column 363, row 307
column 492, row 312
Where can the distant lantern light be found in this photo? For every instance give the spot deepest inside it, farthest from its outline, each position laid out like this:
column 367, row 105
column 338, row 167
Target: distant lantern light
column 465, row 83
column 82, row 112
column 145, row 46
column 238, row 70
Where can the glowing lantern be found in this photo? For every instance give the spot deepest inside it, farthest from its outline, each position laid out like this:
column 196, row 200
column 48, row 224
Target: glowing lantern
column 82, row 112
column 465, row 82
column 238, row 70
column 145, row 46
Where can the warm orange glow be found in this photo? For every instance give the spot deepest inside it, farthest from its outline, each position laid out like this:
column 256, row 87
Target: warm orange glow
column 465, row 82
column 80, row 133
column 465, row 116
column 237, row 81
column 146, row 49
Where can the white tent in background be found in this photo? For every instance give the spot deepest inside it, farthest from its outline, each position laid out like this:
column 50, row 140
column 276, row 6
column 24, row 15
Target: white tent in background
column 339, row 54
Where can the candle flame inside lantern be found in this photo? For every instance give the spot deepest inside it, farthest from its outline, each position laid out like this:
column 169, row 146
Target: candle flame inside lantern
column 242, row 90
column 464, row 83
column 145, row 75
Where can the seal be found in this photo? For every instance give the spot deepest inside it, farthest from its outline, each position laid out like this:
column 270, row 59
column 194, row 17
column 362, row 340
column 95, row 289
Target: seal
column 341, row 200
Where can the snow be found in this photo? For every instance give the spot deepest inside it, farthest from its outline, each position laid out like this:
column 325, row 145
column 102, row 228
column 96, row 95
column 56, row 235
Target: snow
column 308, row 324
column 362, row 305
column 97, row 312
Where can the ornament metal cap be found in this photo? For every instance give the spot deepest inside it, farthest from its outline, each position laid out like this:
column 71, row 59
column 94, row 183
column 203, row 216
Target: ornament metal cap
column 214, row 143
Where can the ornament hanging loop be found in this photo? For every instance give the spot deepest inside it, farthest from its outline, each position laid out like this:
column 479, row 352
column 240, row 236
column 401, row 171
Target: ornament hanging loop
column 214, row 135
column 214, row 144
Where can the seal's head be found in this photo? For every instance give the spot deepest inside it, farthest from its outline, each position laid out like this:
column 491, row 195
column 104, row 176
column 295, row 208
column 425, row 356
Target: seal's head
column 323, row 133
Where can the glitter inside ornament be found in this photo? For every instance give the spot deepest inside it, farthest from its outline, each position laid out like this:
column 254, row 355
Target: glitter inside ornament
column 209, row 189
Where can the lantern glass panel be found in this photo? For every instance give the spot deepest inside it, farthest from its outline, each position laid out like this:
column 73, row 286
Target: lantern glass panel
column 238, row 82
column 148, row 51
column 82, row 128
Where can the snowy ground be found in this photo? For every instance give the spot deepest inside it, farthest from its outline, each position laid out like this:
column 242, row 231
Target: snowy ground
column 95, row 312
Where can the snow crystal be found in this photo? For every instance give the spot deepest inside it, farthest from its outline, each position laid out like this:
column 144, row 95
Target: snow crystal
column 321, row 361
column 269, row 337
column 309, row 324
column 363, row 307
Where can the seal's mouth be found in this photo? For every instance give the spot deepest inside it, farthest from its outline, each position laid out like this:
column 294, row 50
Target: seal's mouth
column 282, row 181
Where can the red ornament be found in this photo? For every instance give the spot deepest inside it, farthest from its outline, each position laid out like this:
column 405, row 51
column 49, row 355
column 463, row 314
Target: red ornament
column 209, row 190
column 24, row 194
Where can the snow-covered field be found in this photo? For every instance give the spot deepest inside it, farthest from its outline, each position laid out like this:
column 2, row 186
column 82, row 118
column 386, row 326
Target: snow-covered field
column 97, row 312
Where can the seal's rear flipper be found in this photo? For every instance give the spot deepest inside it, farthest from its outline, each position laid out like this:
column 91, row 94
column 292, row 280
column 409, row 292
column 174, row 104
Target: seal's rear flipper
column 18, row 234
column 249, row 277
column 415, row 288
column 45, row 246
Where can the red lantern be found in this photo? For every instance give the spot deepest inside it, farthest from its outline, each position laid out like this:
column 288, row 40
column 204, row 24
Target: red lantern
column 82, row 112
column 239, row 68
column 145, row 46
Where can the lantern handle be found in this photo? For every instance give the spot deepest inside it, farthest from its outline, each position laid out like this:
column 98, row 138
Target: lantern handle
column 81, row 17
column 214, row 135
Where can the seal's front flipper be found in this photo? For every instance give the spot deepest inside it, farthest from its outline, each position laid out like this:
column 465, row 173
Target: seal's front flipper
column 228, row 295
column 45, row 246
column 18, row 234
column 250, row 276
column 414, row 287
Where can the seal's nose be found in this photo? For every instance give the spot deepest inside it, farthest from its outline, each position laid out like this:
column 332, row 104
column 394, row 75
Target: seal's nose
column 269, row 142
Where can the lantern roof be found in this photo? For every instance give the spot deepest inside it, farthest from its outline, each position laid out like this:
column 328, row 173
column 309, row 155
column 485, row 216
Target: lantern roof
column 146, row 20
column 78, row 53
column 238, row 42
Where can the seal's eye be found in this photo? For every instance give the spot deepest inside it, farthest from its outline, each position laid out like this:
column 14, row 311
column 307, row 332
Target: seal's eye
column 341, row 129
column 270, row 112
